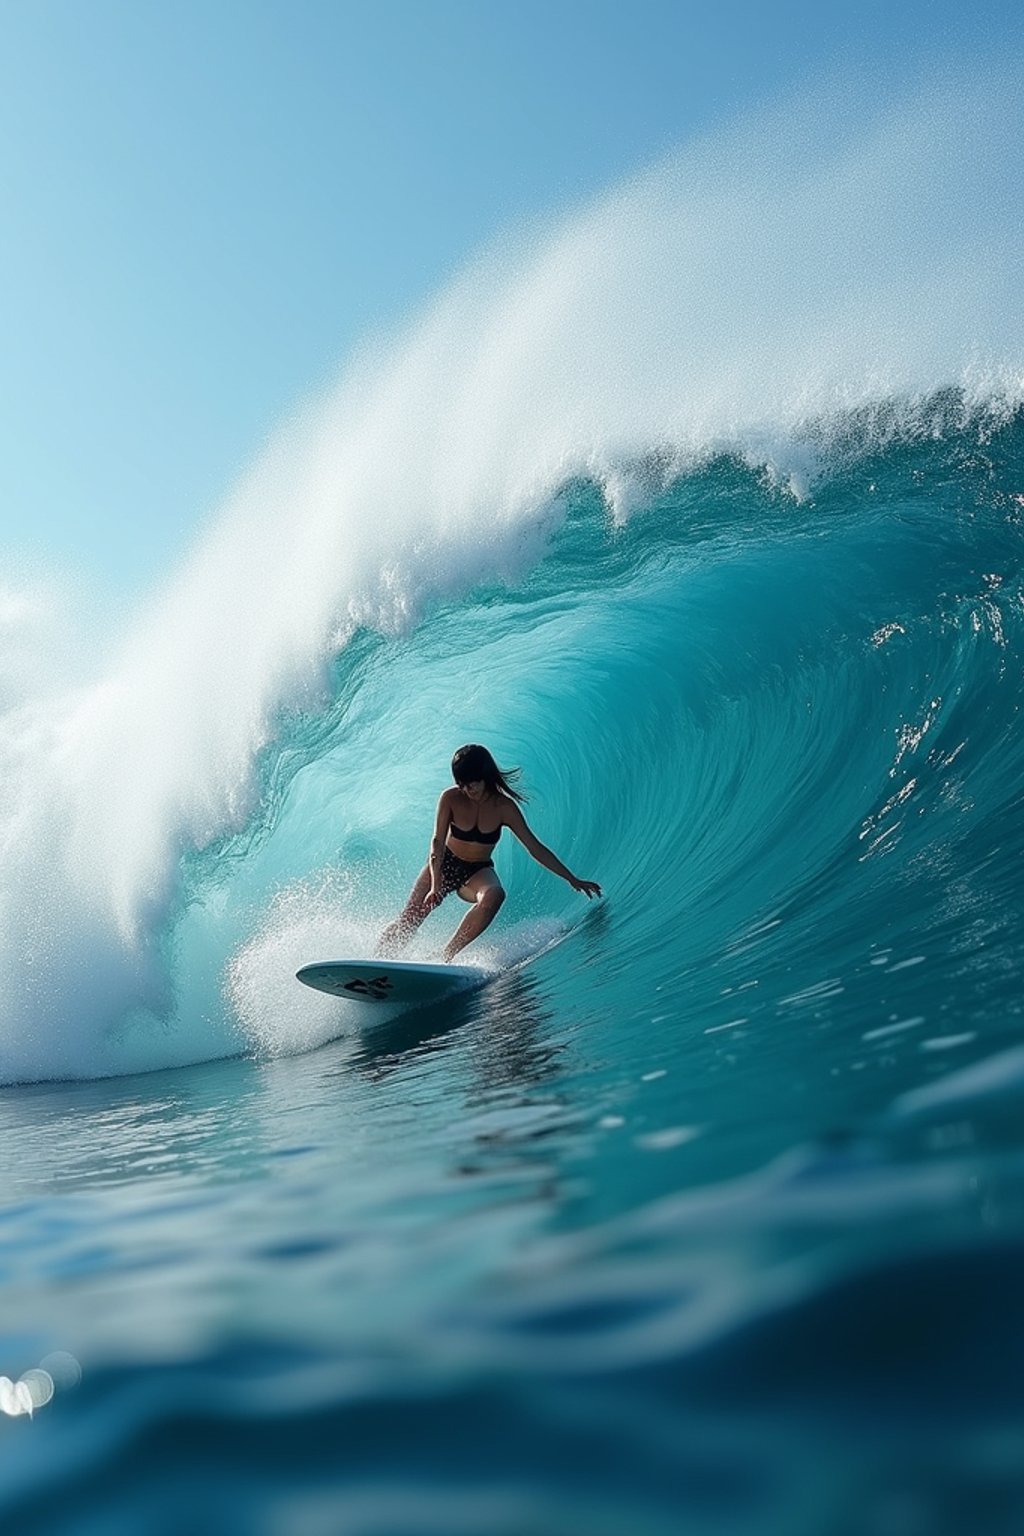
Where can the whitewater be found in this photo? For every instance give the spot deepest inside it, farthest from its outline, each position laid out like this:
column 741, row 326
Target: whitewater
column 704, row 505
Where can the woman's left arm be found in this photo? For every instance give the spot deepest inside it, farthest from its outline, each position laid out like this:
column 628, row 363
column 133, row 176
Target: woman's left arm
column 516, row 822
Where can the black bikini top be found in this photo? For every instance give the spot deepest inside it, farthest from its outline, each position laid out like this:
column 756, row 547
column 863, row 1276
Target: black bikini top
column 474, row 835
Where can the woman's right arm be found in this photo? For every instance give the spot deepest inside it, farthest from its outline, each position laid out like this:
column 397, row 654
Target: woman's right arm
column 442, row 821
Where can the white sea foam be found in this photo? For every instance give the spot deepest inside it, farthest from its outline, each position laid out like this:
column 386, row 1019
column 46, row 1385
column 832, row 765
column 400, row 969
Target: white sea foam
column 274, row 1014
column 749, row 288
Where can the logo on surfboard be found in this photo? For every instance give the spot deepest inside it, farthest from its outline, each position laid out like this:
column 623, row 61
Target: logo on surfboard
column 377, row 988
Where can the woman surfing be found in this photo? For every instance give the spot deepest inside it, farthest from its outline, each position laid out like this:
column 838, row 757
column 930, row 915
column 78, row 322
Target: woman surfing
column 468, row 824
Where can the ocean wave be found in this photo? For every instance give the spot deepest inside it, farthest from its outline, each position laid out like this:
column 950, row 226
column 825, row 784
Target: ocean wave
column 774, row 319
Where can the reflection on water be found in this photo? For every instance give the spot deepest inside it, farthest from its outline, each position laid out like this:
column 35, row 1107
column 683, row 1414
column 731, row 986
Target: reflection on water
column 163, row 1206
column 331, row 1238
column 58, row 1138
column 216, row 1120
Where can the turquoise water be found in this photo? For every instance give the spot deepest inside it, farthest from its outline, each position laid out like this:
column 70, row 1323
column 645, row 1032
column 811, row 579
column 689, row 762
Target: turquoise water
column 710, row 1217
column 707, row 1214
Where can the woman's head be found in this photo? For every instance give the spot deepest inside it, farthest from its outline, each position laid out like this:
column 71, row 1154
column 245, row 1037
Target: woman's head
column 473, row 764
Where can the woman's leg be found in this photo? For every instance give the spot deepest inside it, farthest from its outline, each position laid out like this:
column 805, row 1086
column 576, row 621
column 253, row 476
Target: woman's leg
column 397, row 934
column 486, row 894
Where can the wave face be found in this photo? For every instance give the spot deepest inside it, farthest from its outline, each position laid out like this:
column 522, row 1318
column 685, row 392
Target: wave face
column 810, row 290
column 785, row 738
column 765, row 725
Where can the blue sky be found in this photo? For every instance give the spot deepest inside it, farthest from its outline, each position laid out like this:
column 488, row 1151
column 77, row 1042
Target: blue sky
column 203, row 206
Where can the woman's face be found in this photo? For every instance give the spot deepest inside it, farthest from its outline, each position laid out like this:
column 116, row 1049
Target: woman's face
column 475, row 789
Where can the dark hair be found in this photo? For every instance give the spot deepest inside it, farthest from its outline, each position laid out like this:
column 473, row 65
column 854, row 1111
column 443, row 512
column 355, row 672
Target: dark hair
column 474, row 762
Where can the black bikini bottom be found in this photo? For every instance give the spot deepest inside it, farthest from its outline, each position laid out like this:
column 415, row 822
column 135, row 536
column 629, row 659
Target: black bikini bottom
column 456, row 871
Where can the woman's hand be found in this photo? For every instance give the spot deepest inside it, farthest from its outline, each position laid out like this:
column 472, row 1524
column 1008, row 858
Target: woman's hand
column 432, row 899
column 589, row 888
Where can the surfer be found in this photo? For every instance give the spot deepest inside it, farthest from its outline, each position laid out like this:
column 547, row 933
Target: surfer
column 468, row 824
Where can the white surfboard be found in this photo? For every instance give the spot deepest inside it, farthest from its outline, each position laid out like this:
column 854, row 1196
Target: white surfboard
column 390, row 981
